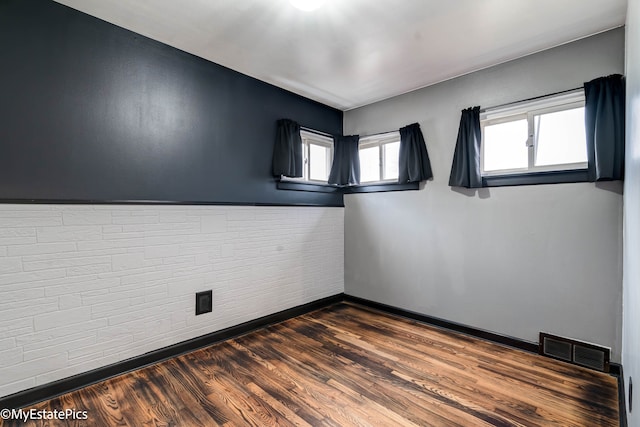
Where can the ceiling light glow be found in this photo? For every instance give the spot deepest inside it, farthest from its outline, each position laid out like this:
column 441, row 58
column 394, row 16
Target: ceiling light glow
column 307, row 5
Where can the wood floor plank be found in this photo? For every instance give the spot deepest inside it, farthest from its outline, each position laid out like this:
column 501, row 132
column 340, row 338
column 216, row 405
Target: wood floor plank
column 502, row 369
column 391, row 364
column 462, row 382
column 347, row 365
column 281, row 387
column 382, row 386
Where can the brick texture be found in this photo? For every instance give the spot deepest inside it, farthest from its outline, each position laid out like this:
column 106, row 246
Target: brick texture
column 88, row 285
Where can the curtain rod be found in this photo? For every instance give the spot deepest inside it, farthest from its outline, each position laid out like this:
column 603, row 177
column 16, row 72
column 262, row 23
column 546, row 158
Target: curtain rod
column 379, row 134
column 483, row 110
column 317, row 132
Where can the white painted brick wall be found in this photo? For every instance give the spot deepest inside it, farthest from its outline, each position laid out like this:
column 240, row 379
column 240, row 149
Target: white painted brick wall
column 88, row 285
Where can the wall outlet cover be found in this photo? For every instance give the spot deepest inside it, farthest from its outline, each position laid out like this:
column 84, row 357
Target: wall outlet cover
column 204, row 302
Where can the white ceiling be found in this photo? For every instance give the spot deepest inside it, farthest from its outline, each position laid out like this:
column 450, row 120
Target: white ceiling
column 351, row 53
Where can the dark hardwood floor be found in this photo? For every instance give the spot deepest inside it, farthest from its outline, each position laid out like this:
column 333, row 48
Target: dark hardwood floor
column 346, row 365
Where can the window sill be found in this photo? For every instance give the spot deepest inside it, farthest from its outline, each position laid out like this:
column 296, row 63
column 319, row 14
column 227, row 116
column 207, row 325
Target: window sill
column 536, row 178
column 308, row 186
column 352, row 189
column 380, row 188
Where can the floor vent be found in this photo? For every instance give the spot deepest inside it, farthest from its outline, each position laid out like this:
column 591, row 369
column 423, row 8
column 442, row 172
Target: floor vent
column 576, row 352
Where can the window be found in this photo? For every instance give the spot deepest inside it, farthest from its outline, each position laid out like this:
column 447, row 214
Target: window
column 317, row 155
column 546, row 134
column 379, row 158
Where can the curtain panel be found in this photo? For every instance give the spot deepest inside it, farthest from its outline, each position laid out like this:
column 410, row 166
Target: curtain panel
column 287, row 151
column 413, row 160
column 604, row 124
column 345, row 169
column 465, row 170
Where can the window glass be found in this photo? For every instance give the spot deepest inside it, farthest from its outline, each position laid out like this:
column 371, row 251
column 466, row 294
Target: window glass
column 505, row 145
column 369, row 164
column 391, row 152
column 560, row 137
column 318, row 162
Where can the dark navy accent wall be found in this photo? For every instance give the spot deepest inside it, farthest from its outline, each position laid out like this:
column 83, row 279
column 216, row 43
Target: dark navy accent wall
column 91, row 111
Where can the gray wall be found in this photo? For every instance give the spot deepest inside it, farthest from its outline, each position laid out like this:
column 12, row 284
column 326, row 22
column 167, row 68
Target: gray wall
column 514, row 260
column 631, row 282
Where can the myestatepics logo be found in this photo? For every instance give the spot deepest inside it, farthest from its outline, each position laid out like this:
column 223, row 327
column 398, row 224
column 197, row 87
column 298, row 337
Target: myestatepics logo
column 42, row 414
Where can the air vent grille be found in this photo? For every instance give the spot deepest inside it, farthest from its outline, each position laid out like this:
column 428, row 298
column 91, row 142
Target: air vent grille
column 589, row 357
column 576, row 352
column 556, row 348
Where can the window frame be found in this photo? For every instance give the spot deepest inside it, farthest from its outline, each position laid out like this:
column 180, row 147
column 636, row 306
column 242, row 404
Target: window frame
column 311, row 138
column 529, row 110
column 315, row 186
column 379, row 141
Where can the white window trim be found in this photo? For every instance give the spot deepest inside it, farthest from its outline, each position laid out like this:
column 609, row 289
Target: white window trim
column 379, row 141
column 527, row 110
column 315, row 139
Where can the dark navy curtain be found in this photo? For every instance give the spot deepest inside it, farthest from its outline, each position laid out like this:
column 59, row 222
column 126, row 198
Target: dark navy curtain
column 465, row 171
column 413, row 160
column 287, row 152
column 604, row 124
column 345, row 169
